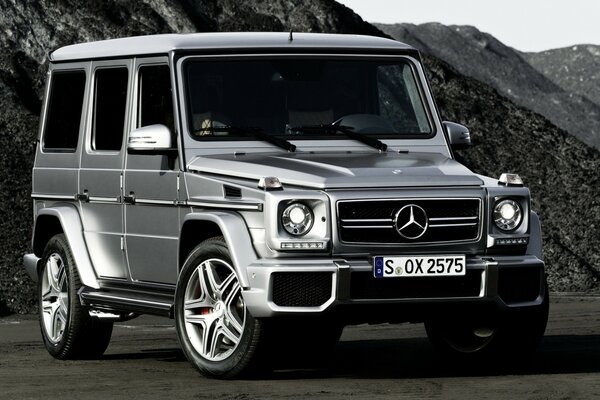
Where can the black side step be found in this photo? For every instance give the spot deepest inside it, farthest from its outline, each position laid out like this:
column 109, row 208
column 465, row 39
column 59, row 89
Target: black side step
column 119, row 301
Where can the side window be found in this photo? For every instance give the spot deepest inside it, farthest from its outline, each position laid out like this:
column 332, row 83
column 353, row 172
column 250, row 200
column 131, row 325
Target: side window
column 155, row 97
column 109, row 108
column 64, row 111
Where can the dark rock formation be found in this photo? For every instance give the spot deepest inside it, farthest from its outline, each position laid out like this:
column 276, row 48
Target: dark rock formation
column 561, row 171
column 481, row 56
column 30, row 30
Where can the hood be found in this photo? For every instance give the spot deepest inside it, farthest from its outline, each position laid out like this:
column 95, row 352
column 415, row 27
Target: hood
column 341, row 169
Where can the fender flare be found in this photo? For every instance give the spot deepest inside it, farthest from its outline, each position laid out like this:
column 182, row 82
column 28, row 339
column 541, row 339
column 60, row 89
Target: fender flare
column 70, row 221
column 234, row 230
column 535, row 246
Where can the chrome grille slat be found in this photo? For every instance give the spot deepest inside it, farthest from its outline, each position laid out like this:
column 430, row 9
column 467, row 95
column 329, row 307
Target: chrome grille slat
column 390, row 226
column 450, row 225
column 449, row 220
column 452, row 219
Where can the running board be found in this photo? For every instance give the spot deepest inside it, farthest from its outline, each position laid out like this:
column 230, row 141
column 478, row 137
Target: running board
column 128, row 302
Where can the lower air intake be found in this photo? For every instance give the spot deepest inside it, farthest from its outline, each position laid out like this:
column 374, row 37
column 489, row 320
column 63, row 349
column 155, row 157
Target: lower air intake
column 301, row 289
column 518, row 285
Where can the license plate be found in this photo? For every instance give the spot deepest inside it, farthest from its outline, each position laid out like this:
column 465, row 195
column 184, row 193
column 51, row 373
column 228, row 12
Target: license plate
column 404, row 267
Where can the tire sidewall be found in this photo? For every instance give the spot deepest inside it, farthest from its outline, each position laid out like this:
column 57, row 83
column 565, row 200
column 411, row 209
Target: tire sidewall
column 242, row 354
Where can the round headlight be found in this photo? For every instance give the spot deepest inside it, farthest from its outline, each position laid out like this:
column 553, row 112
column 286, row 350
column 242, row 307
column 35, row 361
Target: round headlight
column 507, row 214
column 297, row 219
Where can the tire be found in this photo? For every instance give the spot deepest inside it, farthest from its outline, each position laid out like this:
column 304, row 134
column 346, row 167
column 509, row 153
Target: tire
column 514, row 335
column 216, row 332
column 67, row 329
column 462, row 339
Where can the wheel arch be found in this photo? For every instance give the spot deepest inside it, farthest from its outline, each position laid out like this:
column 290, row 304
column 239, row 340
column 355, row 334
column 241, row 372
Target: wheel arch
column 535, row 246
column 64, row 218
column 200, row 226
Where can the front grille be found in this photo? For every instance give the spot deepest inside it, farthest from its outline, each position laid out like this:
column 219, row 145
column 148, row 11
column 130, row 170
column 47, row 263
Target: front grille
column 520, row 284
column 364, row 286
column 301, row 289
column 372, row 221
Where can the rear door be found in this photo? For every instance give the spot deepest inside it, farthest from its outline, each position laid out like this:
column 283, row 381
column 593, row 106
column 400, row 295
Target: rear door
column 102, row 160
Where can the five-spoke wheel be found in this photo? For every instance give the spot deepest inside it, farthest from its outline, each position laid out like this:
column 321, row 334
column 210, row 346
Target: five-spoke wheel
column 67, row 328
column 214, row 309
column 217, row 333
column 54, row 298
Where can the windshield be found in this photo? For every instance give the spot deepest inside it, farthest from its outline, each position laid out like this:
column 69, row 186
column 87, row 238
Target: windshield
column 291, row 97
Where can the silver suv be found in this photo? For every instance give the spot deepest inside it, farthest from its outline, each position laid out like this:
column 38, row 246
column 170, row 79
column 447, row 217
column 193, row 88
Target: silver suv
column 265, row 190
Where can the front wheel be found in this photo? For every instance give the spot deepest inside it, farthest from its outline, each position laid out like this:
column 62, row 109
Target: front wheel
column 217, row 333
column 516, row 334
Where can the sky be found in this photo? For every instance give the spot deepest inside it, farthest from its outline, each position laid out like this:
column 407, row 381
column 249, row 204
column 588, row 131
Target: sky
column 526, row 25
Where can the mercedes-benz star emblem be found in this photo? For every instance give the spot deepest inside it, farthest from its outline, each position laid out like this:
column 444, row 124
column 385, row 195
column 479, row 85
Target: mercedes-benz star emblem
column 411, row 221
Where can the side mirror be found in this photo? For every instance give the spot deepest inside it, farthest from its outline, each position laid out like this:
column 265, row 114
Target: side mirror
column 151, row 139
column 458, row 134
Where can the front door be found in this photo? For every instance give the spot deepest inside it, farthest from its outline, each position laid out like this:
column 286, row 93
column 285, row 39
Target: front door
column 151, row 183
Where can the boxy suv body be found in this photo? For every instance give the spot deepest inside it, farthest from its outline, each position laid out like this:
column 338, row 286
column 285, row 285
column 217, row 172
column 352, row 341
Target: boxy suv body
column 267, row 188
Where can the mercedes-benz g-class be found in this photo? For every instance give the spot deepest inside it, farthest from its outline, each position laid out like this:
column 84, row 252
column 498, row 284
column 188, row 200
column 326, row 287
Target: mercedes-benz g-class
column 264, row 188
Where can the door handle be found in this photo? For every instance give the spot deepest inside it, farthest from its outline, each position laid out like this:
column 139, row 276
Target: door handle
column 129, row 199
column 85, row 196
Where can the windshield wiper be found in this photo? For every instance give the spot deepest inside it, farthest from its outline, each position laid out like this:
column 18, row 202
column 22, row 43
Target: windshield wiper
column 341, row 130
column 252, row 131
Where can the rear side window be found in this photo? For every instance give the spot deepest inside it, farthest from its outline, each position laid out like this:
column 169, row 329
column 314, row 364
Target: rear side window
column 64, row 111
column 156, row 100
column 109, row 108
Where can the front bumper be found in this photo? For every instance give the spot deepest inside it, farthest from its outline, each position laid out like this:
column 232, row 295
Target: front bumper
column 312, row 287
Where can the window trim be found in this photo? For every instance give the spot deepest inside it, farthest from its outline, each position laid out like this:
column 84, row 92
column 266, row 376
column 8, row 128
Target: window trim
column 93, row 93
column 430, row 112
column 135, row 115
column 48, row 104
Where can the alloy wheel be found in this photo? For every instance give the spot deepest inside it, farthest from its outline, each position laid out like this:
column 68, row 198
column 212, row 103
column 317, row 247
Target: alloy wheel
column 55, row 298
column 214, row 310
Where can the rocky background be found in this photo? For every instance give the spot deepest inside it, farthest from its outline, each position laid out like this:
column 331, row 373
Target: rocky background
column 560, row 169
column 575, row 69
column 563, row 85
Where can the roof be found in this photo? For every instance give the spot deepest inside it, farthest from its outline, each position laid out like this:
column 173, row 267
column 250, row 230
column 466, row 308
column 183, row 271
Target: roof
column 163, row 44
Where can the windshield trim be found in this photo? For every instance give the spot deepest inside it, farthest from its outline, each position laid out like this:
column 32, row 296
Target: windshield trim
column 406, row 58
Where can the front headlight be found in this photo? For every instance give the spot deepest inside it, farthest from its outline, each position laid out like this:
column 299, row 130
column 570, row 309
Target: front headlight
column 507, row 214
column 297, row 219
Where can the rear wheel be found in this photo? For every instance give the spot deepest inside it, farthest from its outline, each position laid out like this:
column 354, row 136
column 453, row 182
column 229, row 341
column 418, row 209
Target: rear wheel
column 67, row 328
column 217, row 333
